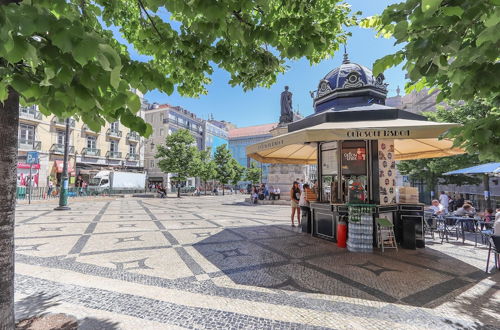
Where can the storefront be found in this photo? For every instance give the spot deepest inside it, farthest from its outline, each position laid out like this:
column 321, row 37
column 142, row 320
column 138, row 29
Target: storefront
column 355, row 141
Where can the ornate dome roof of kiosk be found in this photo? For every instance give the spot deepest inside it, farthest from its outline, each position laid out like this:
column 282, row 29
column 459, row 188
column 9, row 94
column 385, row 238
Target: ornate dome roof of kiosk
column 352, row 82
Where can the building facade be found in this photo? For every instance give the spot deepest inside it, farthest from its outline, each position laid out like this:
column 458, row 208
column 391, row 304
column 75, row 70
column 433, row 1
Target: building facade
column 114, row 147
column 214, row 135
column 165, row 120
column 416, row 102
column 240, row 138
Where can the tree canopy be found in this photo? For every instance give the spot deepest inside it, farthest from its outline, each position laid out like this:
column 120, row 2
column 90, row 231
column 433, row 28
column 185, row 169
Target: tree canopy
column 179, row 156
column 449, row 44
column 224, row 168
column 253, row 173
column 61, row 55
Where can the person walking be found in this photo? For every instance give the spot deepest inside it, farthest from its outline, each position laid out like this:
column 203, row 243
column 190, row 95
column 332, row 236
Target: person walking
column 295, row 198
column 51, row 187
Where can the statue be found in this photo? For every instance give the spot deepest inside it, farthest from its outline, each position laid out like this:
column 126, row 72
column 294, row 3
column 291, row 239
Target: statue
column 286, row 107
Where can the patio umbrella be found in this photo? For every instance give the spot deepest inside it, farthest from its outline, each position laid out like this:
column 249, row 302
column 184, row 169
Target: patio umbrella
column 486, row 170
column 414, row 139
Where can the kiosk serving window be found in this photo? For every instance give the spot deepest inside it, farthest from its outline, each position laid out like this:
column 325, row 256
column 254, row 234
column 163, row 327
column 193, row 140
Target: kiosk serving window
column 354, row 169
column 329, row 172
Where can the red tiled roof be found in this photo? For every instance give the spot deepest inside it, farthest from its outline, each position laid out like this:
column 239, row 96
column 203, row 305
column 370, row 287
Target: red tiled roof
column 251, row 130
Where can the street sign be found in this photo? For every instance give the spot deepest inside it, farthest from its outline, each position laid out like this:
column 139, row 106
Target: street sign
column 32, row 157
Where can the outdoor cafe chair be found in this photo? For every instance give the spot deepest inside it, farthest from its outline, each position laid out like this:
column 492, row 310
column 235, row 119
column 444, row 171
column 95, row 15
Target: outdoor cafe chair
column 495, row 248
column 447, row 225
column 430, row 223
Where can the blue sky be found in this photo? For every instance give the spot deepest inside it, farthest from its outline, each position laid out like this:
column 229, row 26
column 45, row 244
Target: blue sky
column 261, row 106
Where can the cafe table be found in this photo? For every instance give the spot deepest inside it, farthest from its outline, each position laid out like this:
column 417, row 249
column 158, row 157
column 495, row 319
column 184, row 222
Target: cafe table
column 461, row 221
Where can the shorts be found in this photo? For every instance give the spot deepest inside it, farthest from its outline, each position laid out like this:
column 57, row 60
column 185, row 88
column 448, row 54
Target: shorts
column 294, row 204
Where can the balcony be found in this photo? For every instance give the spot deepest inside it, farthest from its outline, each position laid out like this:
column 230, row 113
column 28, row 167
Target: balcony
column 133, row 136
column 62, row 122
column 30, row 113
column 132, row 157
column 91, row 152
column 58, row 148
column 114, row 154
column 114, row 133
column 24, row 144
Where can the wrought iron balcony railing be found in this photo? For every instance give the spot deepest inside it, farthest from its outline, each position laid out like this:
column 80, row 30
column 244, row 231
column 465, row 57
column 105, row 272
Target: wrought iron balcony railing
column 58, row 148
column 133, row 136
column 114, row 154
column 91, row 152
column 132, row 156
column 114, row 133
column 25, row 144
column 30, row 113
column 62, row 122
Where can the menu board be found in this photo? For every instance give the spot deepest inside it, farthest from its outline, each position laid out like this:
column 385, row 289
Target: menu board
column 329, row 163
column 387, row 172
column 354, row 161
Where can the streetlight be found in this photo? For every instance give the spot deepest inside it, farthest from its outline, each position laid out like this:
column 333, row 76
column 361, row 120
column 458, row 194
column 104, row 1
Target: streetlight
column 63, row 195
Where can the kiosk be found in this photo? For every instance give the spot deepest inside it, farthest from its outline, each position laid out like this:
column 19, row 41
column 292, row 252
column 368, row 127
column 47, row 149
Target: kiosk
column 355, row 141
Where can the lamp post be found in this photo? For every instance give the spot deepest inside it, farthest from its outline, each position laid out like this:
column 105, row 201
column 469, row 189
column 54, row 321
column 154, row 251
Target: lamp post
column 63, row 195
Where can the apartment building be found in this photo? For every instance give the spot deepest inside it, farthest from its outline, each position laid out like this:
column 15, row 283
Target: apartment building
column 114, row 147
column 214, row 135
column 165, row 120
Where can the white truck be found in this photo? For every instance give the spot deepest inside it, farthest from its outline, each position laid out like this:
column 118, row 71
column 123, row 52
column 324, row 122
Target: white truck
column 118, row 181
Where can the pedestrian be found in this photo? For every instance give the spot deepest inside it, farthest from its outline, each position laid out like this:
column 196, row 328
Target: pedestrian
column 295, row 198
column 306, row 197
column 451, row 203
column 459, row 202
column 162, row 191
column 444, row 200
column 49, row 191
column 271, row 193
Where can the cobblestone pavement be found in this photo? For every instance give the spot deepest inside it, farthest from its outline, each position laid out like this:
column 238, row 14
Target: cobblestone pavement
column 216, row 263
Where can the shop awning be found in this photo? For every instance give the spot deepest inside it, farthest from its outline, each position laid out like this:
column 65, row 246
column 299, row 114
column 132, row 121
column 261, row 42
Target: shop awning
column 414, row 139
column 59, row 164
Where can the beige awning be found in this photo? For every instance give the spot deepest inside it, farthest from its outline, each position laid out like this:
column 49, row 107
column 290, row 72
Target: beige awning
column 414, row 139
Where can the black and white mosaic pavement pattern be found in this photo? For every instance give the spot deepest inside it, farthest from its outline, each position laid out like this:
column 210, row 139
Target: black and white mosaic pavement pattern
column 218, row 248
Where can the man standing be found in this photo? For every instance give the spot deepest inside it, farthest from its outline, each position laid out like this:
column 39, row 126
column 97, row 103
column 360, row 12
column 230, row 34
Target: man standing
column 444, row 200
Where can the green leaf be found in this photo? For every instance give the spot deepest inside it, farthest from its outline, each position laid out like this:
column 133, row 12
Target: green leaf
column 133, row 102
column 4, row 92
column 430, row 6
column 488, row 35
column 49, row 74
column 17, row 52
column 85, row 50
column 386, row 62
column 453, row 11
column 115, row 76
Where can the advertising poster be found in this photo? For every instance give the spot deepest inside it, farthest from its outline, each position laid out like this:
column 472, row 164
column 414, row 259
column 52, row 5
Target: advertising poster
column 387, row 172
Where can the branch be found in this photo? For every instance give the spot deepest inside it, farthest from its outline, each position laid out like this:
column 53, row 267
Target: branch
column 141, row 5
column 238, row 16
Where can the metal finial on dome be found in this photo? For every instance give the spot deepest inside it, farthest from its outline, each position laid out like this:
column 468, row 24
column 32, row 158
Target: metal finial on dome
column 346, row 57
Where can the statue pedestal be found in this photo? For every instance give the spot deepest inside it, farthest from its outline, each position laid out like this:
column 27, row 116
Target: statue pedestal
column 283, row 175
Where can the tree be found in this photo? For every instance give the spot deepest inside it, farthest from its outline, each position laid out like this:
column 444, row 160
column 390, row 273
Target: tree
column 224, row 169
column 481, row 131
column 253, row 173
column 60, row 55
column 238, row 171
column 451, row 45
column 431, row 170
column 206, row 168
column 179, row 156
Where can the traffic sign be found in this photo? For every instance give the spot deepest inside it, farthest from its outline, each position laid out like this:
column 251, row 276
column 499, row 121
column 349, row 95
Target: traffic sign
column 32, row 157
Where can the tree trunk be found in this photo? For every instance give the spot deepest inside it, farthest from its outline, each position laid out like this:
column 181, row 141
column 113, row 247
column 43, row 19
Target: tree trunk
column 205, row 187
column 9, row 121
column 222, row 189
column 179, row 191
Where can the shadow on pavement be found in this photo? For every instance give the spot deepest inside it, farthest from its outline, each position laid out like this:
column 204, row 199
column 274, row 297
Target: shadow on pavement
column 276, row 257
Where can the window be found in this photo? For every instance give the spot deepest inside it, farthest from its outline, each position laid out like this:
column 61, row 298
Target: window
column 60, row 137
column 131, row 149
column 171, row 116
column 115, row 126
column 152, row 163
column 113, row 146
column 26, row 133
column 91, row 142
column 152, row 146
column 161, row 131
